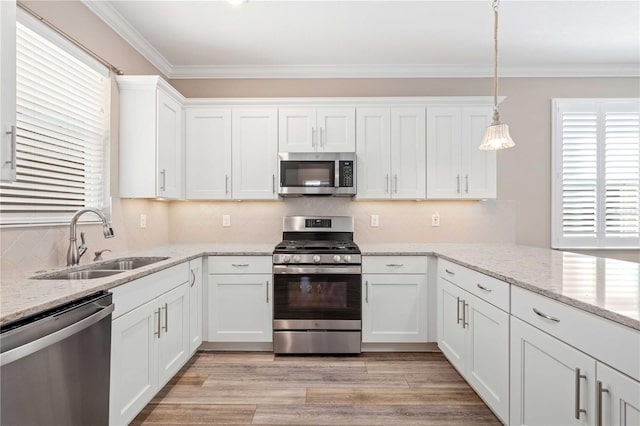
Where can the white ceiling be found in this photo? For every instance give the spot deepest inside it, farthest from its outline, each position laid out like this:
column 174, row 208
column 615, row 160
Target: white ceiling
column 314, row 38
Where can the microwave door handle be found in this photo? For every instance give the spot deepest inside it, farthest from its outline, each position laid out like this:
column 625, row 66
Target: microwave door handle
column 336, row 179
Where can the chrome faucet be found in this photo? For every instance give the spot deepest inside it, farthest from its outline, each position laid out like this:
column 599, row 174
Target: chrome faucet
column 75, row 253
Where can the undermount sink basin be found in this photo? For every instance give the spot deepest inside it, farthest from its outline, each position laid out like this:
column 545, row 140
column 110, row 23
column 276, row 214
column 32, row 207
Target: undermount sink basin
column 100, row 270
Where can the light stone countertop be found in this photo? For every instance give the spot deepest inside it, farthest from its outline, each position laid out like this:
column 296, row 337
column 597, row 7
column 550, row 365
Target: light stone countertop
column 605, row 287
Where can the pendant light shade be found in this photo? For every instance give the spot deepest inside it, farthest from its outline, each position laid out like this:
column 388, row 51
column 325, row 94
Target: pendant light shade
column 497, row 135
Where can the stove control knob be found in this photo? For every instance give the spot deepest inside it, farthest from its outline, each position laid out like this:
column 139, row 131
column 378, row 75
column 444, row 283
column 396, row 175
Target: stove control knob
column 316, row 259
column 347, row 258
column 336, row 258
column 296, row 258
column 286, row 258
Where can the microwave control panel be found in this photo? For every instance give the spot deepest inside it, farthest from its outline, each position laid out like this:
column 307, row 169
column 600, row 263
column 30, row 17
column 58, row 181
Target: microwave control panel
column 346, row 173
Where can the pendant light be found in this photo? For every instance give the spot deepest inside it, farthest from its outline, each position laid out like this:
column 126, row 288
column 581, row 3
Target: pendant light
column 497, row 134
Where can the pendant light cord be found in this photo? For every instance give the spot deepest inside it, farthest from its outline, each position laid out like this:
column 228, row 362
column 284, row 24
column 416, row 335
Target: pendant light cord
column 496, row 117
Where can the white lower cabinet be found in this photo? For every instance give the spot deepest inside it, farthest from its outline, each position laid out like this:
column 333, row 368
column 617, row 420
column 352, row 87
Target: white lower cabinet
column 240, row 299
column 394, row 299
column 149, row 339
column 618, row 402
column 195, row 304
column 550, row 381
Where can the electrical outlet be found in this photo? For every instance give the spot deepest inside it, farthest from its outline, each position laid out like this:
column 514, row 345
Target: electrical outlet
column 143, row 220
column 226, row 220
column 375, row 220
column 435, row 219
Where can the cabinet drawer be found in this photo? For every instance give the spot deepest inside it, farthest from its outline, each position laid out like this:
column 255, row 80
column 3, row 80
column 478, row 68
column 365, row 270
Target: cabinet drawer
column 240, row 264
column 483, row 286
column 136, row 293
column 611, row 343
column 394, row 264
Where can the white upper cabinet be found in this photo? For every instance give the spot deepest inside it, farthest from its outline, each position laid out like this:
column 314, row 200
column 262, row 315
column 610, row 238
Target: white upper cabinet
column 456, row 168
column 391, row 153
column 151, row 138
column 316, row 130
column 7, row 90
column 208, row 153
column 254, row 153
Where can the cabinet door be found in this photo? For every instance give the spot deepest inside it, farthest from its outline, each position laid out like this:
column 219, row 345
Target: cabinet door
column 620, row 398
column 443, row 153
column 487, row 353
column 173, row 344
column 134, row 362
column 544, row 377
column 240, row 308
column 297, row 130
column 451, row 334
column 208, row 154
column 7, row 89
column 254, row 153
column 394, row 308
column 336, row 130
column 373, row 150
column 195, row 305
column 478, row 168
column 169, row 146
column 408, row 153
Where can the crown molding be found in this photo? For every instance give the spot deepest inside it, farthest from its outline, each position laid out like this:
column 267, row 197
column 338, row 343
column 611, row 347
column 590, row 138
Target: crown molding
column 103, row 10
column 122, row 27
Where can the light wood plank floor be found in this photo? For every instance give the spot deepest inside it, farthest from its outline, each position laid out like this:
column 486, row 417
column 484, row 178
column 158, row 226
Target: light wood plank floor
column 370, row 389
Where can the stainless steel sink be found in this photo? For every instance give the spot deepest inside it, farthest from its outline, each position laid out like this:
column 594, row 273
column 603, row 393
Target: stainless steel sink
column 100, row 270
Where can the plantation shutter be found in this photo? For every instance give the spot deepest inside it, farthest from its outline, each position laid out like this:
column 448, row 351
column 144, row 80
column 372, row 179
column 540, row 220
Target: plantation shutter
column 62, row 129
column 596, row 177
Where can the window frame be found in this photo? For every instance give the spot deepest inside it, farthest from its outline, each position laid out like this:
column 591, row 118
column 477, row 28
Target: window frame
column 600, row 241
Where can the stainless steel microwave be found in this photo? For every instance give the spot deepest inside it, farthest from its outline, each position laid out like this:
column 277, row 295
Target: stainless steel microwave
column 317, row 173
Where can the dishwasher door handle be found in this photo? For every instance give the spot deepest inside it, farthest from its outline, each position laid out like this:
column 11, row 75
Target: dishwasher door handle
column 53, row 338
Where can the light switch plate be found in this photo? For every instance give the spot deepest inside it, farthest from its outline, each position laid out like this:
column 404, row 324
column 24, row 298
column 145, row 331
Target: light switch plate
column 226, row 220
column 143, row 220
column 435, row 219
column 375, row 220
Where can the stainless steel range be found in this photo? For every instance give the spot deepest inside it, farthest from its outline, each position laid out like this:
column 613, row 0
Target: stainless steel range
column 317, row 287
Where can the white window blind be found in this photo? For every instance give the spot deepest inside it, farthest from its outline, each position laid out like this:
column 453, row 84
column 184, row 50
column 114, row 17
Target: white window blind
column 62, row 117
column 596, row 176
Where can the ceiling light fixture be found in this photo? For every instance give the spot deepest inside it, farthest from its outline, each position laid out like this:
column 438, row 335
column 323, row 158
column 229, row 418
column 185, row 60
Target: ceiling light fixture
column 497, row 134
column 236, row 2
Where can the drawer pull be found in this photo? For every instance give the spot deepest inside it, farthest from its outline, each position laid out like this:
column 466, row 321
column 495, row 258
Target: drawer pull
column 449, row 272
column 545, row 316
column 397, row 265
column 488, row 290
column 240, row 265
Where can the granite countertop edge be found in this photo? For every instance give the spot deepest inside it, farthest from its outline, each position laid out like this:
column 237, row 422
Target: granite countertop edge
column 186, row 253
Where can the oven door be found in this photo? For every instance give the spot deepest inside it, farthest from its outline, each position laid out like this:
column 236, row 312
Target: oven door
column 320, row 294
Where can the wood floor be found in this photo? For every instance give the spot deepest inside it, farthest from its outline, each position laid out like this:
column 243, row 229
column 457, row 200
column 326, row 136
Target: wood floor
column 370, row 389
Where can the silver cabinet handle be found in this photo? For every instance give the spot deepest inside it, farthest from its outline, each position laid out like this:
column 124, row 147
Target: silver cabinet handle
column 449, row 272
column 313, row 137
column 488, row 290
column 467, row 184
column 166, row 318
column 457, row 310
column 395, row 178
column 465, row 307
column 366, row 291
column 267, row 291
column 163, row 180
column 321, row 137
column 226, row 184
column 240, row 265
column 599, row 391
column 458, row 178
column 13, row 134
column 386, row 185
column 545, row 316
column 157, row 333
column 273, row 183
column 395, row 264
column 578, row 410
column 193, row 278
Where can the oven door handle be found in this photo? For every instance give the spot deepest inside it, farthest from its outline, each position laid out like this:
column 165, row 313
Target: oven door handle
column 298, row 270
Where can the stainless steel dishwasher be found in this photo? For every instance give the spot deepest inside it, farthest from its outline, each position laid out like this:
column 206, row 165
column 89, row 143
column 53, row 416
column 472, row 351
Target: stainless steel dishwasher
column 54, row 366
